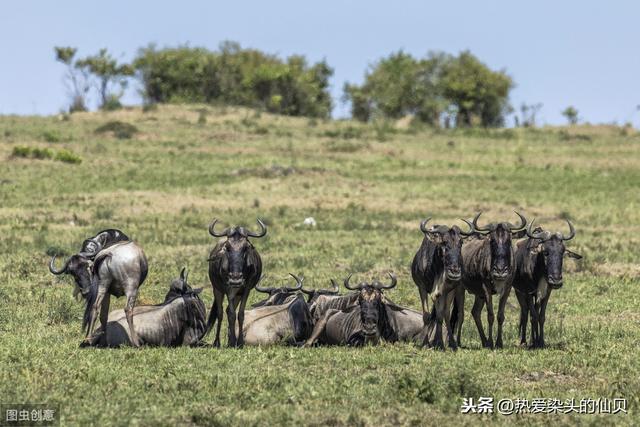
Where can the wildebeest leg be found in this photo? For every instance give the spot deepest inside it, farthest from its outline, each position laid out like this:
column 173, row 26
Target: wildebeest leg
column 424, row 299
column 533, row 313
column 524, row 314
column 231, row 319
column 541, row 318
column 218, row 299
column 447, row 319
column 102, row 291
column 319, row 327
column 501, row 305
column 128, row 311
column 243, row 303
column 459, row 299
column 476, row 311
column 490, row 316
column 439, row 306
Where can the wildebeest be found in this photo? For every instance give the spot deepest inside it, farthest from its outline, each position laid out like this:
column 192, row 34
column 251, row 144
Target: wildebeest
column 363, row 323
column 436, row 270
column 102, row 240
column 538, row 271
column 179, row 320
column 234, row 269
column 118, row 270
column 488, row 269
column 277, row 295
column 281, row 318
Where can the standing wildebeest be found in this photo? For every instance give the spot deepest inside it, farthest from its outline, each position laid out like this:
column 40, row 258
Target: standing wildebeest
column 118, row 270
column 538, row 271
column 179, row 320
column 488, row 269
column 363, row 323
column 282, row 317
column 234, row 269
column 436, row 271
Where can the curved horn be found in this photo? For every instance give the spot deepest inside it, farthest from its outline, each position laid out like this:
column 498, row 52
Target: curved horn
column 532, row 235
column 183, row 276
column 472, row 229
column 394, row 282
column 481, row 230
column 298, row 283
column 572, row 231
column 423, row 225
column 523, row 223
column 263, row 230
column 52, row 266
column 346, row 283
column 265, row 290
column 213, row 232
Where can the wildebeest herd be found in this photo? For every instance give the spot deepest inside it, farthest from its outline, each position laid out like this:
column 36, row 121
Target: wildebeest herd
column 449, row 263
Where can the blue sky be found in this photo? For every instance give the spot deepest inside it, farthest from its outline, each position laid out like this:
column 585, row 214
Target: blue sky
column 559, row 53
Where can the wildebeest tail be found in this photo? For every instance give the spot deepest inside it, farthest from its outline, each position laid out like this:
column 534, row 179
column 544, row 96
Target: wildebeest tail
column 213, row 315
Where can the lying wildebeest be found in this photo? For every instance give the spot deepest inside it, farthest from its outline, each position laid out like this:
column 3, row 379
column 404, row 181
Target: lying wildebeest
column 102, row 240
column 118, row 270
column 436, row 271
column 179, row 320
column 363, row 323
column 281, row 318
column 277, row 295
column 538, row 271
column 488, row 269
column 234, row 269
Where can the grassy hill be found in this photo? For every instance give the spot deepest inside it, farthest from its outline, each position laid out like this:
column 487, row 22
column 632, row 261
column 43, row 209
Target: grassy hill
column 162, row 175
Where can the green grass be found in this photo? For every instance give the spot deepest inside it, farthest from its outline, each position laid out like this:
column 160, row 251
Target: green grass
column 367, row 187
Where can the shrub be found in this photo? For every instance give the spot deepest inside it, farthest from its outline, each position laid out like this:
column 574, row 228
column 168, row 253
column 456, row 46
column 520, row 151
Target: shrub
column 51, row 136
column 120, row 130
column 235, row 76
column 68, row 157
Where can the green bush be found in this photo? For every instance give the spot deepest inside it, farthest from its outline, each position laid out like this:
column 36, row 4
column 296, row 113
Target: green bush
column 45, row 153
column 52, row 136
column 68, row 157
column 120, row 130
column 235, row 76
column 431, row 89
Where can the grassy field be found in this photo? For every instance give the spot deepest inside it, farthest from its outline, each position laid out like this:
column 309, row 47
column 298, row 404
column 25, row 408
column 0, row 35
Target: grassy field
column 165, row 178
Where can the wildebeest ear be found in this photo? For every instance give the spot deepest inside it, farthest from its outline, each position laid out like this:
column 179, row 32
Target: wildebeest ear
column 572, row 254
column 519, row 234
column 197, row 291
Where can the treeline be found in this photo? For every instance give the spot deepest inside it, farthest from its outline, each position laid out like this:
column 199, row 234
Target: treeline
column 439, row 90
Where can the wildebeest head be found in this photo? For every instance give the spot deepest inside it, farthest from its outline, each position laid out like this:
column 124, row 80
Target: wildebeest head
column 180, row 287
column 500, row 244
column 77, row 266
column 239, row 257
column 550, row 250
column 313, row 294
column 448, row 243
column 372, row 313
column 278, row 295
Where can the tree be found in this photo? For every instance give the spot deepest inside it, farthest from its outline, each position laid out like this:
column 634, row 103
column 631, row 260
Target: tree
column 397, row 86
column 437, row 87
column 76, row 79
column 529, row 113
column 571, row 114
column 107, row 72
column 236, row 76
column 479, row 94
